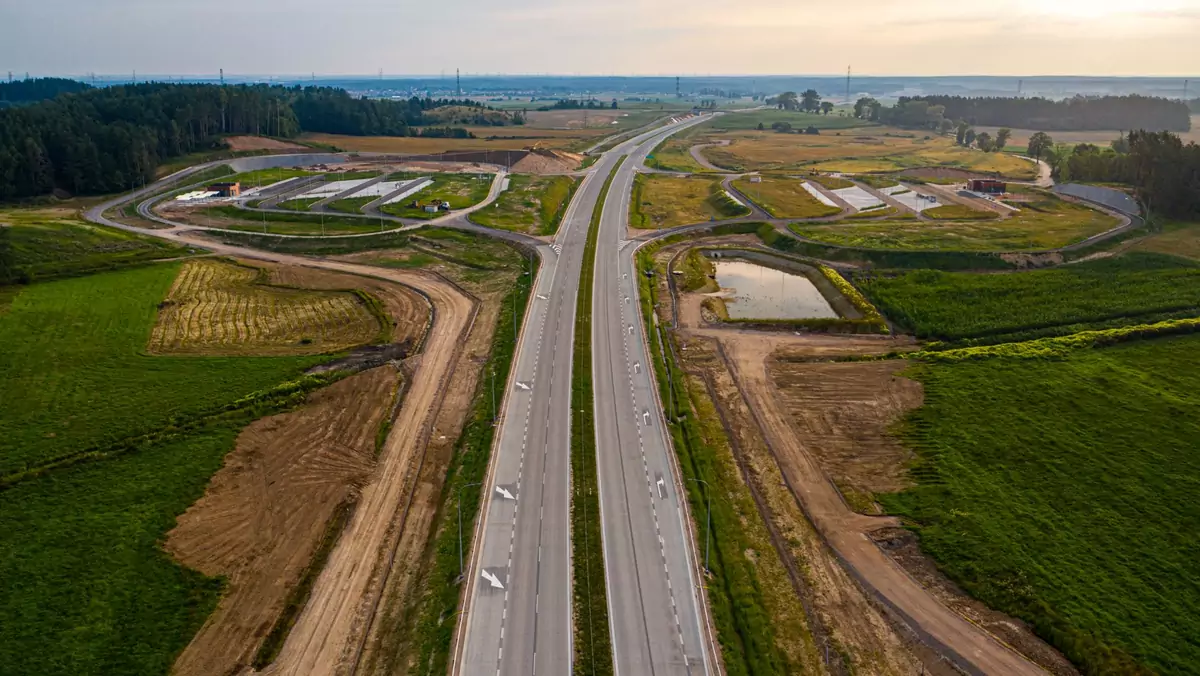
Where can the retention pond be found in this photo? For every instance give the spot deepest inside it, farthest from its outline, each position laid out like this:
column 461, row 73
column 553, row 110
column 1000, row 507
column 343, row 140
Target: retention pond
column 757, row 292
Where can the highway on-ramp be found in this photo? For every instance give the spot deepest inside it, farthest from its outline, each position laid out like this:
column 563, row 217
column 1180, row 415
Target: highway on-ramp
column 518, row 611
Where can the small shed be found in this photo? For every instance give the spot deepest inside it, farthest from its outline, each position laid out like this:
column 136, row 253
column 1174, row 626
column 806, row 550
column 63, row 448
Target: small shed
column 989, row 186
column 226, row 189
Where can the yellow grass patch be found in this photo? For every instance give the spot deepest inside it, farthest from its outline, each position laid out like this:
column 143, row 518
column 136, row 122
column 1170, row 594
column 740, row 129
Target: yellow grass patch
column 216, row 307
column 856, row 151
column 784, row 198
column 660, row 201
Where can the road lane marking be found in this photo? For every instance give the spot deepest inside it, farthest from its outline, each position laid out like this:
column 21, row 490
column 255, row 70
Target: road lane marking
column 496, row 584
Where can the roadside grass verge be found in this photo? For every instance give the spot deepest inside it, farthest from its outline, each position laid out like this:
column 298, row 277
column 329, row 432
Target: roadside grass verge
column 534, row 205
column 743, row 624
column 784, row 198
column 958, row 212
column 437, row 616
column 876, row 181
column 831, row 182
column 1060, row 489
column 965, row 308
column 661, row 202
column 265, row 177
column 301, row 204
column 592, row 639
column 235, row 218
column 351, row 205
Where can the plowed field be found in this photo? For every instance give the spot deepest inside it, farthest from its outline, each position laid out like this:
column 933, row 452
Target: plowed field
column 216, row 307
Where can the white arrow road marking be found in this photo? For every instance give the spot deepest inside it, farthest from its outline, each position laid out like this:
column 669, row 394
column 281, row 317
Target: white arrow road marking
column 631, row 329
column 625, row 276
column 637, row 367
column 542, row 296
column 646, row 418
column 504, row 493
column 662, row 488
column 523, row 386
column 495, row 581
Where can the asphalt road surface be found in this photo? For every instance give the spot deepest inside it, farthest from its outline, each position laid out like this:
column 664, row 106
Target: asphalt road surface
column 519, row 619
column 657, row 621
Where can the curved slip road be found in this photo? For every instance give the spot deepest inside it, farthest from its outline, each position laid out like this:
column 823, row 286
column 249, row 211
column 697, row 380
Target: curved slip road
column 519, row 619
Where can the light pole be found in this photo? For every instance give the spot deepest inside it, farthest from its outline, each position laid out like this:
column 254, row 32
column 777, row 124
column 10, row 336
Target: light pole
column 708, row 520
column 493, row 395
column 460, row 547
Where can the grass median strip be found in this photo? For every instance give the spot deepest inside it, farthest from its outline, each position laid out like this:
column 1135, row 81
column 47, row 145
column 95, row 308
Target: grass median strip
column 593, row 644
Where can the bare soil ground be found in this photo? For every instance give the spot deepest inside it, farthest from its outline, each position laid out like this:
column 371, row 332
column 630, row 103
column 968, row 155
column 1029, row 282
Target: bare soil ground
column 391, row 645
column 330, row 631
column 263, row 515
column 548, row 162
column 843, row 411
column 244, row 143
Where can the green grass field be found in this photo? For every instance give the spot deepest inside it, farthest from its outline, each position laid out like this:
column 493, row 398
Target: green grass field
column 751, row 119
column 1046, row 222
column 460, row 190
column 1063, row 492
column 234, row 218
column 831, row 182
column 784, row 198
column 136, row 439
column 264, row 177
column 299, row 204
column 52, row 242
column 532, row 204
column 958, row 212
column 660, row 201
column 1136, row 288
column 76, row 375
column 351, row 205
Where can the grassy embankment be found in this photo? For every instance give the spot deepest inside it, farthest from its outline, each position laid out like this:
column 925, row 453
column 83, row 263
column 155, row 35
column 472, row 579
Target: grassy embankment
column 102, row 447
column 233, row 218
column 49, row 243
column 460, row 190
column 784, row 198
column 958, row 212
column 534, row 205
column 661, row 202
column 592, row 641
column 965, row 308
column 1059, row 488
column 759, row 632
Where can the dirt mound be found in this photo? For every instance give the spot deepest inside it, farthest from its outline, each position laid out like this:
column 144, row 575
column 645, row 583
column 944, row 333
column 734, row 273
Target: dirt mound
column 544, row 161
column 245, row 143
column 264, row 514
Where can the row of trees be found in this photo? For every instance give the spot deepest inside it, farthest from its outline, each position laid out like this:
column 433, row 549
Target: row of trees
column 37, row 89
column 966, row 136
column 1164, row 172
column 106, row 140
column 809, row 101
column 1074, row 114
column 579, row 104
column 942, row 113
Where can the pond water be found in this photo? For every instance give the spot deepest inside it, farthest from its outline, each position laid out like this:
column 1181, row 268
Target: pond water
column 758, row 292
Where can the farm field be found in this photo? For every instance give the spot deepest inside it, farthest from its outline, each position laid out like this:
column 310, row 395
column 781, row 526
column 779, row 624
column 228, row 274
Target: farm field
column 784, row 198
column 749, row 120
column 1019, row 140
column 1061, row 492
column 52, row 242
column 532, row 204
column 1137, row 288
column 487, row 138
column 1045, row 223
column 876, row 149
column 460, row 190
column 217, row 307
column 667, row 201
column 77, row 376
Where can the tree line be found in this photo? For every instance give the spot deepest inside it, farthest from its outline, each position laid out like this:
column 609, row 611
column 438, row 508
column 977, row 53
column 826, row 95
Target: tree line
column 1080, row 113
column 579, row 104
column 31, row 90
column 808, row 101
column 106, row 140
column 1164, row 172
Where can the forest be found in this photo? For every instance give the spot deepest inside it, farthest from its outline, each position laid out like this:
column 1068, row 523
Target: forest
column 1165, row 172
column 106, row 140
column 1075, row 114
column 31, row 90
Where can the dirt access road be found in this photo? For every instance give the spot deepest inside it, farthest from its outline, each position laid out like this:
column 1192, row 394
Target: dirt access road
column 328, row 634
column 846, row 531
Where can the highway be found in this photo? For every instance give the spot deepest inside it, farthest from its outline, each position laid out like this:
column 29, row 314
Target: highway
column 518, row 610
column 657, row 616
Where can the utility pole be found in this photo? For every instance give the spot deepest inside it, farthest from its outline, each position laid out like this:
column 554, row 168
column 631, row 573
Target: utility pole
column 461, row 572
column 1185, row 91
column 847, row 84
column 678, row 93
column 1020, row 87
column 222, row 77
column 458, row 83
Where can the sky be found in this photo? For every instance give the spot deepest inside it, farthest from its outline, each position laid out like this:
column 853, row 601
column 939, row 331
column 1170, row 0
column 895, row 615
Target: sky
column 601, row 37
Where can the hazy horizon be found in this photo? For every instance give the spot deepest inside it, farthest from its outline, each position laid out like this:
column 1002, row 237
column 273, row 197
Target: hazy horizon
column 1065, row 38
